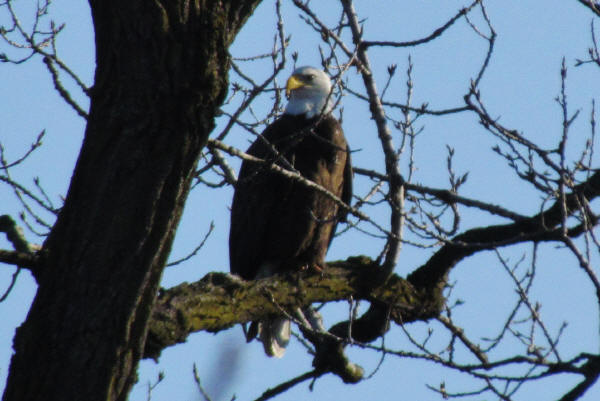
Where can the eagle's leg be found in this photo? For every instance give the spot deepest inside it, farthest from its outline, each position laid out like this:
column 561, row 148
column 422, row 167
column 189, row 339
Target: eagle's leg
column 314, row 267
column 317, row 267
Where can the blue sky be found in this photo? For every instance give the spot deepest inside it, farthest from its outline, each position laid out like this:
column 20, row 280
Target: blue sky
column 519, row 88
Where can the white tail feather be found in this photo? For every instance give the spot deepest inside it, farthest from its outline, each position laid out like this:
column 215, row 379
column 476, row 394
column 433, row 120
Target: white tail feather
column 275, row 335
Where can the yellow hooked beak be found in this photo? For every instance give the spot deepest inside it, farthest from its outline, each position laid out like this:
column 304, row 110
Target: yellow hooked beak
column 293, row 83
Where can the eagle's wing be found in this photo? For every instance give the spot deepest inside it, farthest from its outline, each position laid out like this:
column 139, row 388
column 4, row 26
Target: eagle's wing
column 347, row 189
column 275, row 220
column 256, row 202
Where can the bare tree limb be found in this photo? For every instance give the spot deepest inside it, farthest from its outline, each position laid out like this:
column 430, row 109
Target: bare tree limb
column 396, row 182
column 435, row 34
column 592, row 5
column 591, row 371
column 212, row 143
column 447, row 196
column 62, row 91
column 21, row 259
column 207, row 304
column 283, row 387
column 35, row 145
column 540, row 227
column 14, row 234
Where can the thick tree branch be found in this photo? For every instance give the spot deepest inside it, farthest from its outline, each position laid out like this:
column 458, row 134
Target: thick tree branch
column 591, row 371
column 220, row 300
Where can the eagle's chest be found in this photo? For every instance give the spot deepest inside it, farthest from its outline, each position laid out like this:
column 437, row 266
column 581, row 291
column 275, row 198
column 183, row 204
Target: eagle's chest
column 311, row 153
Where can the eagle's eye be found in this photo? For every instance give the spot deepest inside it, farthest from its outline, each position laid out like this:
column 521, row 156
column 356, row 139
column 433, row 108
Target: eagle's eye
column 309, row 77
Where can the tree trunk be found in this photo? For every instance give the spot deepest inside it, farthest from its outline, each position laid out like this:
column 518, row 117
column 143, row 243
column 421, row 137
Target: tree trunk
column 161, row 75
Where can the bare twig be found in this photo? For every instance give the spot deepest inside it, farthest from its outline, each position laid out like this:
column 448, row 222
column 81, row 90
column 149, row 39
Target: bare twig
column 283, row 387
column 396, row 183
column 199, row 385
column 435, row 34
column 196, row 249
column 35, row 145
column 298, row 178
column 594, row 7
column 64, row 93
column 459, row 332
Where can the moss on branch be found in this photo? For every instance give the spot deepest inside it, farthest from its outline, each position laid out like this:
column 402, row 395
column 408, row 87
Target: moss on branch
column 221, row 300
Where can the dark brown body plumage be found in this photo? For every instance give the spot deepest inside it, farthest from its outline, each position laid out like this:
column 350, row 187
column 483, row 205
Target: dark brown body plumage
column 278, row 224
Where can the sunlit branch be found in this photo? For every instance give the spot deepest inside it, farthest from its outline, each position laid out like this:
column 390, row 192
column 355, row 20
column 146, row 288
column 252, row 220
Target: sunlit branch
column 23, row 255
column 199, row 384
column 35, row 145
column 435, row 34
column 20, row 190
column 396, row 188
column 594, row 7
column 283, row 387
column 534, row 312
column 296, row 177
column 540, row 227
column 419, row 110
column 37, row 47
column 257, row 89
column 304, row 7
column 195, row 251
column 61, row 89
column 447, row 196
column 459, row 332
column 491, row 39
column 502, row 132
column 11, row 285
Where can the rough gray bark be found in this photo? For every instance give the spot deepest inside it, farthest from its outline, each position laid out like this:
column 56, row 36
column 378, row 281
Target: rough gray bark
column 161, row 75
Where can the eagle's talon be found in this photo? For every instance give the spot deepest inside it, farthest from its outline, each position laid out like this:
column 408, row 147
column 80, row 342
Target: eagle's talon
column 317, row 268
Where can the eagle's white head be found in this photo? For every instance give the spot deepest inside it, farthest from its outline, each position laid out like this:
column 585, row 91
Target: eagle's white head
column 308, row 92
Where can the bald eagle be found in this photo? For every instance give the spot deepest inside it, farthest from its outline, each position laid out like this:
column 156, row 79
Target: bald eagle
column 277, row 224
